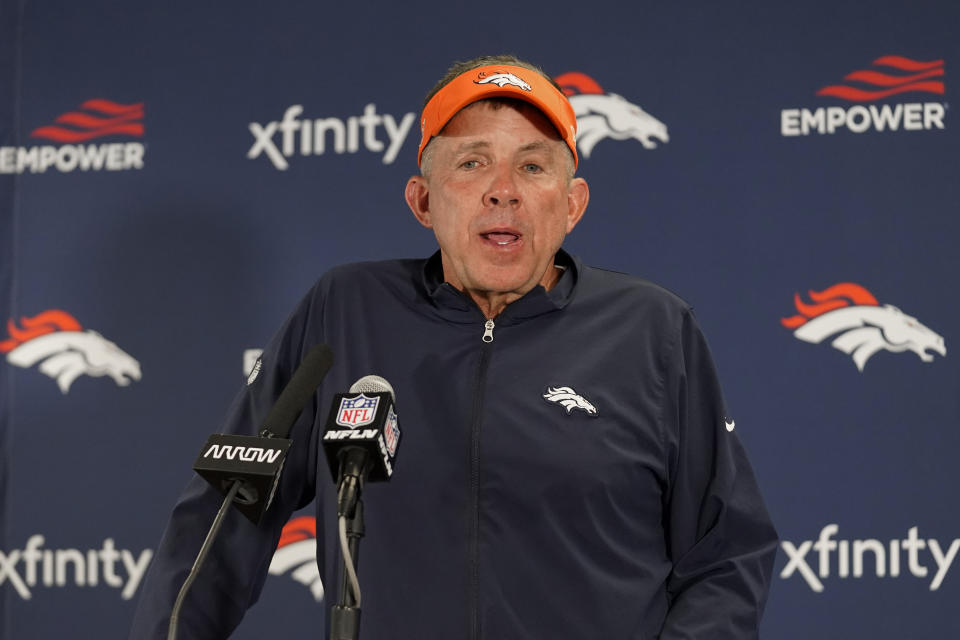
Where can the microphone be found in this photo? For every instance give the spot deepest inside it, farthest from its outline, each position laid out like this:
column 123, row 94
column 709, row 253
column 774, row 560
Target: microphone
column 361, row 439
column 256, row 461
column 246, row 468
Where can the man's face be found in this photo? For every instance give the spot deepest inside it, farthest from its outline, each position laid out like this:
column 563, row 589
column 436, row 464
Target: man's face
column 499, row 198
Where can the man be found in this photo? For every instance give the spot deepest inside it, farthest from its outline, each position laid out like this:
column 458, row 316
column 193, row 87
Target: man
column 568, row 469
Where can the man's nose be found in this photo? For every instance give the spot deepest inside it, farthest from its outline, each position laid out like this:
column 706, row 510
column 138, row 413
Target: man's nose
column 502, row 190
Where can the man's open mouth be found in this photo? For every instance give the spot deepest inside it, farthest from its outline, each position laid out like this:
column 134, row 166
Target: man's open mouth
column 501, row 238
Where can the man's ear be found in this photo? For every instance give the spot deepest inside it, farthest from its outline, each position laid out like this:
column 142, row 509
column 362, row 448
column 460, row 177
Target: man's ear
column 417, row 195
column 578, row 195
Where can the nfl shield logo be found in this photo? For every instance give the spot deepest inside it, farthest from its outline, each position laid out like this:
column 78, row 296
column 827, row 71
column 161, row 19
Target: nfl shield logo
column 358, row 411
column 391, row 431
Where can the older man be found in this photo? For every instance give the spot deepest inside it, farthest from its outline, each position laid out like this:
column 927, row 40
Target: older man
column 569, row 468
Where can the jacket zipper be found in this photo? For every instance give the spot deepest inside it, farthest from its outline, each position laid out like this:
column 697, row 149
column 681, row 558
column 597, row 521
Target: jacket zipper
column 474, row 538
column 488, row 331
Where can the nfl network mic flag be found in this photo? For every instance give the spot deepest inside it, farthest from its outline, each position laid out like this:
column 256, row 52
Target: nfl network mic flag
column 366, row 421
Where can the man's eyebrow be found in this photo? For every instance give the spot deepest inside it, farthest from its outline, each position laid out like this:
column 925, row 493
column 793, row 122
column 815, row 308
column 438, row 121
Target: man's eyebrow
column 539, row 145
column 473, row 146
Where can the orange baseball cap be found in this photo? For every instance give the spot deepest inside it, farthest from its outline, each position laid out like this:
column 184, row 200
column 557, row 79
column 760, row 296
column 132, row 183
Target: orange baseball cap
column 499, row 81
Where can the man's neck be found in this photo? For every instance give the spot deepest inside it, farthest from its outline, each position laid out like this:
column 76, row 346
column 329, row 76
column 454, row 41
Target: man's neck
column 492, row 303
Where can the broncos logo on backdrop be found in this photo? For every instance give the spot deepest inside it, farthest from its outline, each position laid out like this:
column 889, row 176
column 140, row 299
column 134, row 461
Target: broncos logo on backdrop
column 607, row 115
column 66, row 351
column 860, row 324
column 297, row 553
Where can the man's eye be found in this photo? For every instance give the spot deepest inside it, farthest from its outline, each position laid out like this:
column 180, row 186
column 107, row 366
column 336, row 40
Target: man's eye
column 531, row 167
column 469, row 164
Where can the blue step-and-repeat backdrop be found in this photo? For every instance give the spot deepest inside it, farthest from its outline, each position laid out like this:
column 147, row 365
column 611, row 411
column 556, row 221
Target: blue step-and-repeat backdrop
column 175, row 175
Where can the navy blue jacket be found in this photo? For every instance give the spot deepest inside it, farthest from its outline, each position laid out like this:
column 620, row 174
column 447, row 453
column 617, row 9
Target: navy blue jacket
column 509, row 516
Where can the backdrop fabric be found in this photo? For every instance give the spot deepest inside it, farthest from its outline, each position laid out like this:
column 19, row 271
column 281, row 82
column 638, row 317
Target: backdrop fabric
column 174, row 176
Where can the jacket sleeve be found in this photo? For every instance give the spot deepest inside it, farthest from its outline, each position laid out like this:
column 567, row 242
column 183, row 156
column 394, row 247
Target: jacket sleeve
column 236, row 567
column 718, row 532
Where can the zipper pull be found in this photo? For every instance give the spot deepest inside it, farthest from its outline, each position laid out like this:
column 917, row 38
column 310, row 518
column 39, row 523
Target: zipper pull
column 488, row 331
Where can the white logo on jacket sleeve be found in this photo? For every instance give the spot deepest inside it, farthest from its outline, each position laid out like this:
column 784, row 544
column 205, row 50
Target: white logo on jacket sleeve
column 569, row 399
column 252, row 363
column 503, row 79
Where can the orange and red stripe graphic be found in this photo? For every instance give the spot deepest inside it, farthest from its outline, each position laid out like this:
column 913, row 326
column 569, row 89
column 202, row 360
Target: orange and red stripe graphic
column 38, row 325
column 100, row 118
column 839, row 295
column 914, row 77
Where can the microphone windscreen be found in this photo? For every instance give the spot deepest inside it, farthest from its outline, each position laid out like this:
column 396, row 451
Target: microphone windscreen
column 299, row 390
column 373, row 384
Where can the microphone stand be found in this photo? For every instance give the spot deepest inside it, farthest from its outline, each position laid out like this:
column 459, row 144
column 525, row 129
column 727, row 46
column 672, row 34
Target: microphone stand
column 201, row 558
column 345, row 617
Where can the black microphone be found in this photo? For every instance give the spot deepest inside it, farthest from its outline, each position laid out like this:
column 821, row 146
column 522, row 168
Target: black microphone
column 361, row 439
column 256, row 461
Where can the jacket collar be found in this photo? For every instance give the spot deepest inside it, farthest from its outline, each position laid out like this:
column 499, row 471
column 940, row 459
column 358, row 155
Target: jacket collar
column 456, row 306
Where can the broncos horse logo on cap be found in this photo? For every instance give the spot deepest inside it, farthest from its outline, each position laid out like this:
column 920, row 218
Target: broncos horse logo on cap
column 66, row 351
column 503, row 79
column 607, row 115
column 861, row 325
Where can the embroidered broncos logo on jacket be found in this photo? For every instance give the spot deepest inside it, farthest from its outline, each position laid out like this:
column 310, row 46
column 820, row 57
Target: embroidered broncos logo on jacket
column 569, row 399
column 862, row 325
column 65, row 351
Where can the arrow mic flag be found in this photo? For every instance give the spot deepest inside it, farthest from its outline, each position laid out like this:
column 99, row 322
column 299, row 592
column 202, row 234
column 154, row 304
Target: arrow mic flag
column 256, row 461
